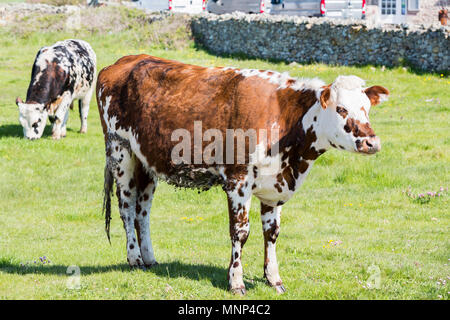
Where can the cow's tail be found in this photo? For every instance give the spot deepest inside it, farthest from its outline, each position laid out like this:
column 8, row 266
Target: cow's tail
column 107, row 192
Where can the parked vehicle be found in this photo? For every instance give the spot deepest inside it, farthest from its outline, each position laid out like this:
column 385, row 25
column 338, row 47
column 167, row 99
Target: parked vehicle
column 320, row 8
column 229, row 6
column 186, row 6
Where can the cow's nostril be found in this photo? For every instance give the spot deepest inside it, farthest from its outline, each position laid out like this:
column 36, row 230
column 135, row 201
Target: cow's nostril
column 369, row 144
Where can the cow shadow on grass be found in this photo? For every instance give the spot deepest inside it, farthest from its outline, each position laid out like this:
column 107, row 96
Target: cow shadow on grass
column 215, row 275
column 16, row 131
column 11, row 130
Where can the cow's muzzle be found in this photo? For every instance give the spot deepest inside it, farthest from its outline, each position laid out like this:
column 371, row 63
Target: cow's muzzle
column 369, row 145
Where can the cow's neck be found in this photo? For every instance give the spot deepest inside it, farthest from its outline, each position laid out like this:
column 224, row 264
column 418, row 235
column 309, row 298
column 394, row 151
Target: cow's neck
column 304, row 142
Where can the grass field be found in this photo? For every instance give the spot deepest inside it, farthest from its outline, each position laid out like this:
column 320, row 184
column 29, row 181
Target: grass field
column 350, row 221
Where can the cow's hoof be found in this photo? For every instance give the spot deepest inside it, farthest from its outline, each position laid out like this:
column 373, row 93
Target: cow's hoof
column 136, row 264
column 278, row 286
column 83, row 130
column 238, row 291
column 151, row 265
column 280, row 289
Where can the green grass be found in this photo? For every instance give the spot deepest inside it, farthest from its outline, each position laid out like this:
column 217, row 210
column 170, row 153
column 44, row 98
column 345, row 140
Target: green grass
column 51, row 197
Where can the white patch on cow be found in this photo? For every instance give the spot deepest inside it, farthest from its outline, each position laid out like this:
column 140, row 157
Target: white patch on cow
column 281, row 79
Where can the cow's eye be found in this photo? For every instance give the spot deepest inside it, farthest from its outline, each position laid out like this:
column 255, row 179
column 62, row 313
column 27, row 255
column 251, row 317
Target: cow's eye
column 342, row 111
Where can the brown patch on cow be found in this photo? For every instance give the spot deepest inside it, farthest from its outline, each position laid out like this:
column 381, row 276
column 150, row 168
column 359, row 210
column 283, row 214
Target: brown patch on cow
column 374, row 94
column 125, row 205
column 138, row 208
column 303, row 166
column 271, row 234
column 236, row 264
column 289, row 178
column 253, row 186
column 145, row 197
column 307, row 99
column 236, row 255
column 342, row 111
column 265, row 208
column 127, row 193
column 332, row 144
column 279, row 177
column 255, row 172
column 240, row 191
column 359, row 129
column 131, row 184
column 365, row 112
column 138, row 231
column 144, row 213
column 238, row 219
column 290, row 82
column 325, row 97
column 278, row 187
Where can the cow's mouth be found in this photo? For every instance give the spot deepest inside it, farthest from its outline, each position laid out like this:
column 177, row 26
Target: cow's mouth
column 369, row 145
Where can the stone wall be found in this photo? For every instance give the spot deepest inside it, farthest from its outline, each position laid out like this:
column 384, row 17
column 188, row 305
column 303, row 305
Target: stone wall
column 339, row 42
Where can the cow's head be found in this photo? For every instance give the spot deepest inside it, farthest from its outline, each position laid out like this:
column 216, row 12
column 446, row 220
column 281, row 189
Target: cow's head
column 32, row 117
column 345, row 114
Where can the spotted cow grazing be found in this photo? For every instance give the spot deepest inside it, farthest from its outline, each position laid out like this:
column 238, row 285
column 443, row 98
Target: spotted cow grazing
column 61, row 73
column 144, row 100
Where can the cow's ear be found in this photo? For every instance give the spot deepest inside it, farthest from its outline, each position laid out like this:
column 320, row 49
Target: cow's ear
column 376, row 94
column 325, row 97
column 18, row 100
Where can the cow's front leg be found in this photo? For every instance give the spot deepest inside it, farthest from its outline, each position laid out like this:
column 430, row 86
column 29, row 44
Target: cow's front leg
column 124, row 163
column 239, row 199
column 271, row 218
column 146, row 185
column 61, row 115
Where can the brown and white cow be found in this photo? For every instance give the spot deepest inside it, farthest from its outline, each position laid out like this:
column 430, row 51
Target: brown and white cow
column 143, row 100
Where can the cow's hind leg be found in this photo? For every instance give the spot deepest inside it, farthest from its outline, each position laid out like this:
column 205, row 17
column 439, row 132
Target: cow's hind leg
column 83, row 108
column 239, row 199
column 146, row 185
column 270, row 217
column 123, row 163
column 64, row 124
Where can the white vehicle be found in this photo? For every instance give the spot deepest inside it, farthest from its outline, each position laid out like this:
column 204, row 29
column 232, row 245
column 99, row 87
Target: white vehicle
column 229, row 6
column 320, row 8
column 186, row 6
